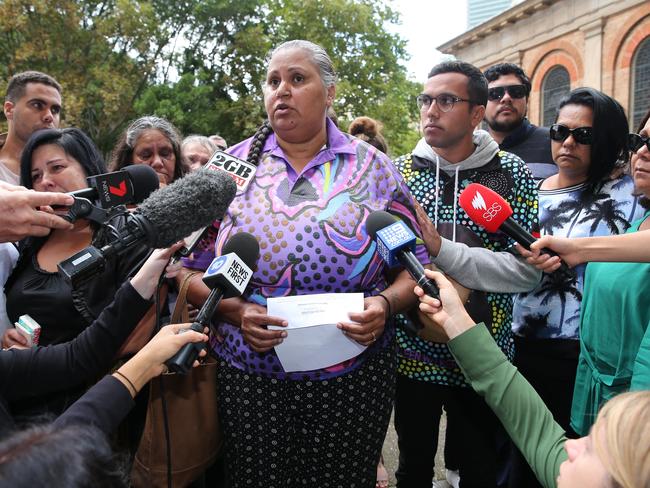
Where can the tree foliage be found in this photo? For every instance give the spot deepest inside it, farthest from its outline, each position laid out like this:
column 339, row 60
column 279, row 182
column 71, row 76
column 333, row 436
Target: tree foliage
column 200, row 63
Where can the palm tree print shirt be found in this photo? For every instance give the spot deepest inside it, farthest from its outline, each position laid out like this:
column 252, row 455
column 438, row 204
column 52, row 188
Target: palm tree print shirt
column 552, row 309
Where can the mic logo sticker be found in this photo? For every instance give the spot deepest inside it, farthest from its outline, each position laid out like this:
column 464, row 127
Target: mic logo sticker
column 119, row 191
column 478, row 202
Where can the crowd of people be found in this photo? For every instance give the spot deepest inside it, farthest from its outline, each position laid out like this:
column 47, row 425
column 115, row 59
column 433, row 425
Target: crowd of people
column 543, row 371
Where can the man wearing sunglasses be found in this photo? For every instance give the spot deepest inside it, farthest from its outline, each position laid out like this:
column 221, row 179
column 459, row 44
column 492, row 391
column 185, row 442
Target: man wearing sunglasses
column 450, row 156
column 505, row 114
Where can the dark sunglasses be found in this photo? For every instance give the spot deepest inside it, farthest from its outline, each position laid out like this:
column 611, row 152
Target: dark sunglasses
column 582, row 135
column 515, row 91
column 636, row 142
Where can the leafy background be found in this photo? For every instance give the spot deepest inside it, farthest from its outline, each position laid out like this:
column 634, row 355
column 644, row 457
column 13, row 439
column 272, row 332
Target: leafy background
column 201, row 63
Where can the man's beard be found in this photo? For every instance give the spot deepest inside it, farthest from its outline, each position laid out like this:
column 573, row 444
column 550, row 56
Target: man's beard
column 507, row 126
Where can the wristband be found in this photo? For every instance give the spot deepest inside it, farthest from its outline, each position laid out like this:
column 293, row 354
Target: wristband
column 390, row 312
column 135, row 391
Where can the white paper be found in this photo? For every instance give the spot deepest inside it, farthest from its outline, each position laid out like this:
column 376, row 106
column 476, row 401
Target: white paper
column 313, row 341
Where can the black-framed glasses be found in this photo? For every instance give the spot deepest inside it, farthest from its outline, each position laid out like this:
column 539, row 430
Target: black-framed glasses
column 582, row 135
column 444, row 102
column 636, row 142
column 515, row 91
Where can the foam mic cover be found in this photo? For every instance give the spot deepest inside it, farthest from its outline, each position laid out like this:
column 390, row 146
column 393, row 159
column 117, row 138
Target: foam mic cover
column 395, row 244
column 192, row 202
column 144, row 180
column 378, row 220
column 131, row 184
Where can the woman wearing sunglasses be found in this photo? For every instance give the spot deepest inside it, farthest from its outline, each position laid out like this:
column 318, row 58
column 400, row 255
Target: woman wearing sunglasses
column 585, row 198
column 614, row 332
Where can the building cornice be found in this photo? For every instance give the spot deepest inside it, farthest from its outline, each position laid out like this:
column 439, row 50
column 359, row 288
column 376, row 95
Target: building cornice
column 495, row 24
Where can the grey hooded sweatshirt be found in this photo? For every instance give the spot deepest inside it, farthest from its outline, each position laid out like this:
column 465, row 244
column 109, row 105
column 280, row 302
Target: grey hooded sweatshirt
column 476, row 268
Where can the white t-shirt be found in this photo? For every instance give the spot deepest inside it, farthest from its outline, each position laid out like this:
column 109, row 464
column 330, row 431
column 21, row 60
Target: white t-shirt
column 8, row 252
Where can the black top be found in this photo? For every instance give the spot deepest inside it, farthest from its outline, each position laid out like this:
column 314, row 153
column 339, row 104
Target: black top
column 61, row 310
column 47, row 298
column 533, row 145
column 104, row 406
column 27, row 373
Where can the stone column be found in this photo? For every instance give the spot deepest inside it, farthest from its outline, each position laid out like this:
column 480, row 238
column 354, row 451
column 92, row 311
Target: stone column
column 593, row 59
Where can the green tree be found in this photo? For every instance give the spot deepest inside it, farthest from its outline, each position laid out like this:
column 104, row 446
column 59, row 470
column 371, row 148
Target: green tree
column 200, row 63
column 222, row 67
column 104, row 53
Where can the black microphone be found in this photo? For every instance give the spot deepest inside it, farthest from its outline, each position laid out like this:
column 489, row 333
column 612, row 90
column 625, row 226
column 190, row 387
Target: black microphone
column 227, row 276
column 395, row 244
column 132, row 184
column 165, row 217
column 111, row 191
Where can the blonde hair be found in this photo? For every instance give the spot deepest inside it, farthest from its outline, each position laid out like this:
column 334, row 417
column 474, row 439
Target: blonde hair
column 624, row 448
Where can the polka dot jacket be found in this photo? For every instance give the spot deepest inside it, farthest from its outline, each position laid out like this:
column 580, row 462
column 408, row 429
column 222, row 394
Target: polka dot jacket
column 507, row 175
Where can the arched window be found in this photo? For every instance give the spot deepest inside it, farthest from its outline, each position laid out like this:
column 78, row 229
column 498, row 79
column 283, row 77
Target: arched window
column 556, row 84
column 641, row 83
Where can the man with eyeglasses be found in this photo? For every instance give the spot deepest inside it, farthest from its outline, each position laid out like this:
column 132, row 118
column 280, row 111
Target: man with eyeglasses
column 505, row 114
column 451, row 156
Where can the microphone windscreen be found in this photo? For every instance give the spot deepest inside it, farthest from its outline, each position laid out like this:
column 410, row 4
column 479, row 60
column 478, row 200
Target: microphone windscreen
column 377, row 220
column 144, row 181
column 245, row 246
column 192, row 202
column 484, row 206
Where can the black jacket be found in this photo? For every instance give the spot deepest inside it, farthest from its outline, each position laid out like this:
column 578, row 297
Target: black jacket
column 32, row 372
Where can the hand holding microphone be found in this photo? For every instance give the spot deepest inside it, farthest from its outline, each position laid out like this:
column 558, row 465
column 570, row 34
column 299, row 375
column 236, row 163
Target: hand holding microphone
column 492, row 212
column 165, row 217
column 111, row 191
column 395, row 244
column 227, row 276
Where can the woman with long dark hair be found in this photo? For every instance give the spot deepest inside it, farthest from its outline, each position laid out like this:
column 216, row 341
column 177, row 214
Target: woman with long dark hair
column 589, row 196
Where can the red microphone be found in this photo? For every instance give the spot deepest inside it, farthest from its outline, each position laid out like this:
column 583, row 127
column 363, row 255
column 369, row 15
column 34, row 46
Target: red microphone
column 491, row 211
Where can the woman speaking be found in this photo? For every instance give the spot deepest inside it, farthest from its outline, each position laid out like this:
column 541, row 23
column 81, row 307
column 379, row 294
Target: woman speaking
column 313, row 190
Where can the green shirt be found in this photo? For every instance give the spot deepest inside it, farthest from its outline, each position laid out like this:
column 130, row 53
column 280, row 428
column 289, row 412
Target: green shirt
column 517, row 405
column 614, row 336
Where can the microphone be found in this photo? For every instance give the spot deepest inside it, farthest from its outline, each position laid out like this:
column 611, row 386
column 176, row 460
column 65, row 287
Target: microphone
column 132, row 184
column 395, row 244
column 492, row 212
column 227, row 276
column 165, row 217
column 111, row 190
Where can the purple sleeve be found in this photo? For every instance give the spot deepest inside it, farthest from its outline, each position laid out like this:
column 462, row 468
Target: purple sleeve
column 403, row 206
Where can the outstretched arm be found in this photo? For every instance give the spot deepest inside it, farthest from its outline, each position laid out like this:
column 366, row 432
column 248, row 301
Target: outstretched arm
column 521, row 411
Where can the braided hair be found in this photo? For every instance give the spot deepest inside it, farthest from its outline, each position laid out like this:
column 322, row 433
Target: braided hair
column 259, row 138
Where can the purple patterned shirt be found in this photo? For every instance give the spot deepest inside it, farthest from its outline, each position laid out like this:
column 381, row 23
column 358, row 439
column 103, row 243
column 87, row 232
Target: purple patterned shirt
column 312, row 236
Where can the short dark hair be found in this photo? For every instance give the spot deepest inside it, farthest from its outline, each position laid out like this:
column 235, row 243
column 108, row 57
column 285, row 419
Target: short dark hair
column 74, row 143
column 18, row 83
column 501, row 69
column 477, row 86
column 74, row 456
column 610, row 129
